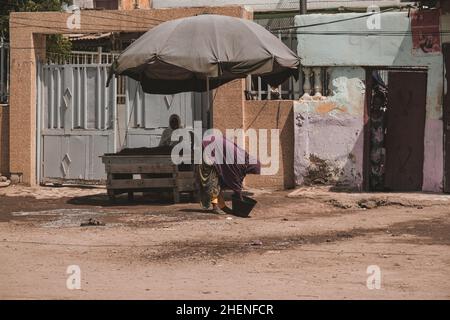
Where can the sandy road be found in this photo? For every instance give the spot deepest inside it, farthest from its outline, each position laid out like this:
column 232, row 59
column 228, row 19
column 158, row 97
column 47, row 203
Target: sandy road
column 313, row 244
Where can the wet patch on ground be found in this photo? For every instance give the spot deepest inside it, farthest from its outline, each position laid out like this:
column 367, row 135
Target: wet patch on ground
column 65, row 218
column 18, row 204
column 67, row 212
column 74, row 217
column 436, row 231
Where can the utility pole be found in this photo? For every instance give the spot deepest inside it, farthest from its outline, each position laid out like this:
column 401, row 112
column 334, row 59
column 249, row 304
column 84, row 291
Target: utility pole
column 303, row 7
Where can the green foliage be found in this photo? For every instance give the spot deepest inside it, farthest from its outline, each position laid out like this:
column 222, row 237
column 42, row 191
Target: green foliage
column 55, row 43
column 58, row 45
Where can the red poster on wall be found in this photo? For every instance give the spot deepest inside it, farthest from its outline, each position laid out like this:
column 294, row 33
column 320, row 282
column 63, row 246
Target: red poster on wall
column 425, row 27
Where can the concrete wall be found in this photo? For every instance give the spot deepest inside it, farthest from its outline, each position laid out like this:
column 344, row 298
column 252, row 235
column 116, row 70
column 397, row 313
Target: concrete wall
column 378, row 50
column 4, row 140
column 329, row 132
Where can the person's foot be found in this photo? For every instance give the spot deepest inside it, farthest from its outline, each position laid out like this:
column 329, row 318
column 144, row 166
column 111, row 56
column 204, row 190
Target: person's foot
column 204, row 206
column 217, row 210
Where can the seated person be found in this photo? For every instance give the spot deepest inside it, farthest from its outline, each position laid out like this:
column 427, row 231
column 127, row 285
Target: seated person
column 166, row 137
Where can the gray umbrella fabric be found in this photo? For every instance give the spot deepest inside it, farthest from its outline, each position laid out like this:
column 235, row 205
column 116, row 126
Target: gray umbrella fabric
column 179, row 55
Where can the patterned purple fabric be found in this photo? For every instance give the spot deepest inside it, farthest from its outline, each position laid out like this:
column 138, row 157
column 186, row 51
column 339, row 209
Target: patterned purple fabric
column 231, row 161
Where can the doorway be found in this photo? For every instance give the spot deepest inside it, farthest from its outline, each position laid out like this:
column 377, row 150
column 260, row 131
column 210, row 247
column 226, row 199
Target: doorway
column 395, row 129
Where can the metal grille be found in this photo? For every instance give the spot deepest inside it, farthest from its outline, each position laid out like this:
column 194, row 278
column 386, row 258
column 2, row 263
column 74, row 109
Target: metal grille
column 291, row 89
column 82, row 57
column 91, row 58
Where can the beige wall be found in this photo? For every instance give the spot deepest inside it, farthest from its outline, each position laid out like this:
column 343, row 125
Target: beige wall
column 27, row 41
column 4, row 140
column 273, row 114
column 232, row 111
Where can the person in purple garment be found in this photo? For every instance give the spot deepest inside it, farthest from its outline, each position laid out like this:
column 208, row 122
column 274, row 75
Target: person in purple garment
column 224, row 166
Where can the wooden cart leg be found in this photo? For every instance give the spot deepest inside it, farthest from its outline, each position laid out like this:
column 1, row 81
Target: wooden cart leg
column 195, row 196
column 196, row 192
column 176, row 195
column 111, row 196
column 130, row 196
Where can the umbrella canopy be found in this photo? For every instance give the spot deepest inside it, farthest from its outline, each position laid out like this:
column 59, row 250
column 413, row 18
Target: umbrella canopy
column 180, row 55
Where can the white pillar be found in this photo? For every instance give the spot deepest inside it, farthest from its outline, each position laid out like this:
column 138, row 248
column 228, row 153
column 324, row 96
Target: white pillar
column 306, row 82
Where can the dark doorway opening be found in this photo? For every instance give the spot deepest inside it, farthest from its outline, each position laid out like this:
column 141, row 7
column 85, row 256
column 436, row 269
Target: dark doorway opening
column 394, row 128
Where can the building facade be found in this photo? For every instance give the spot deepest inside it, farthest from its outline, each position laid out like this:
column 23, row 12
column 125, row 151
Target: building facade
column 337, row 129
column 328, row 135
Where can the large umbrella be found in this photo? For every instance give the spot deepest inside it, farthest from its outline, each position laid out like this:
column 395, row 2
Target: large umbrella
column 203, row 52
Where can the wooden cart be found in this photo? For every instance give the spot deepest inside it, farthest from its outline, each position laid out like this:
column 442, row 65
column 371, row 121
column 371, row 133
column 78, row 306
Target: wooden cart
column 146, row 173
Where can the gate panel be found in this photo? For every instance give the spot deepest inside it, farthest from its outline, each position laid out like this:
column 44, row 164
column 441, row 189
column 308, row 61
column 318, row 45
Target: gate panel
column 76, row 122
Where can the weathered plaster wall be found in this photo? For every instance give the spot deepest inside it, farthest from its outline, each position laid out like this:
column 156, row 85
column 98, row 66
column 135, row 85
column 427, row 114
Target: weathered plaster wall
column 380, row 50
column 329, row 132
column 273, row 114
column 4, row 140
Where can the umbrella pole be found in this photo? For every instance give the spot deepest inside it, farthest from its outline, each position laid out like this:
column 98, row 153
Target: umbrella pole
column 208, row 105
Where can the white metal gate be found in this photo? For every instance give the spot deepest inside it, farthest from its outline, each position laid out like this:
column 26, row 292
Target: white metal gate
column 79, row 119
column 75, row 112
column 145, row 116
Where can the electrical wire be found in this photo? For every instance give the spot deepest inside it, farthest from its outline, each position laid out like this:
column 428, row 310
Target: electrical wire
column 284, row 30
column 368, row 33
column 146, row 18
column 325, row 33
column 333, row 21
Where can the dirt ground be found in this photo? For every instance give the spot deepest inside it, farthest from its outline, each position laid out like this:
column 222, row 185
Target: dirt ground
column 309, row 243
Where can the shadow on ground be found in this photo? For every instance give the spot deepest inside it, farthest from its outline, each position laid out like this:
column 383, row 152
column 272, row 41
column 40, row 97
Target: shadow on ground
column 103, row 200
